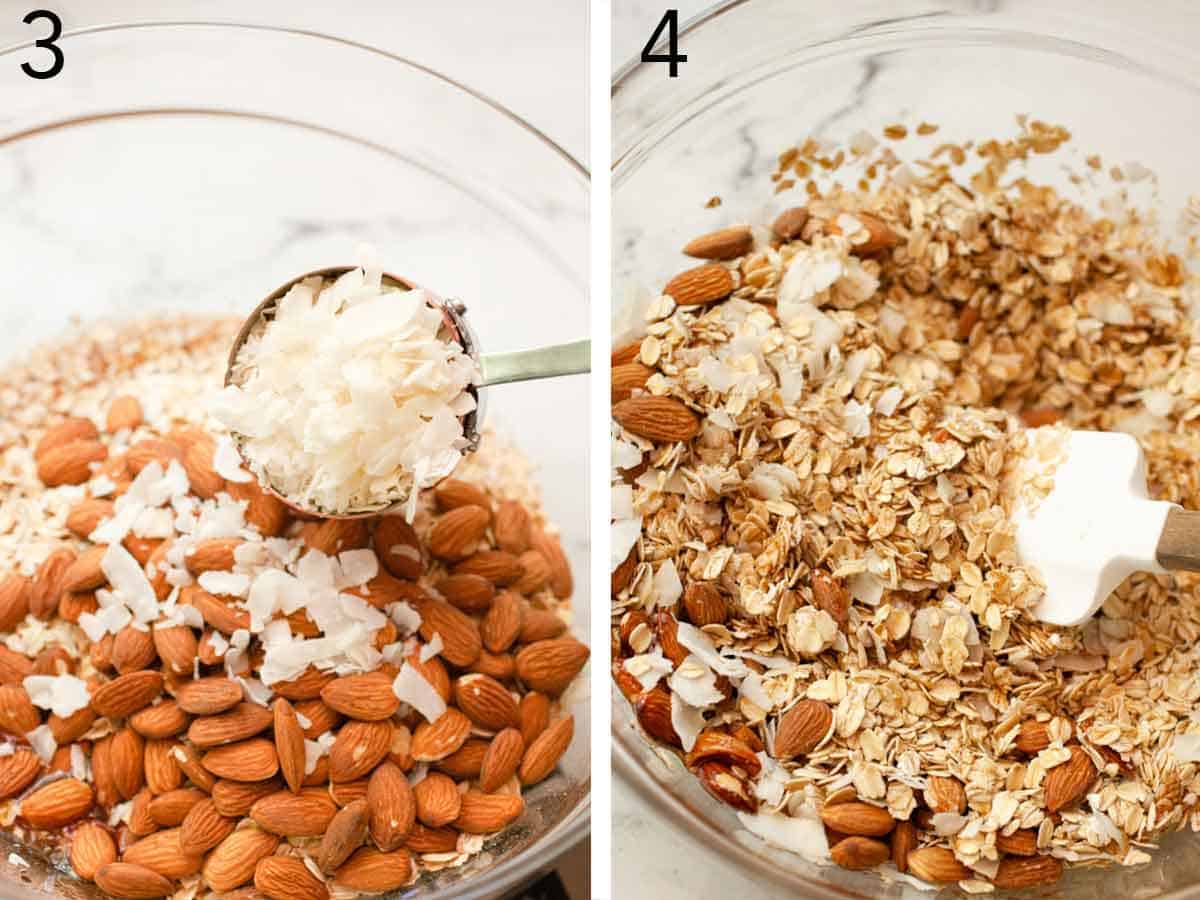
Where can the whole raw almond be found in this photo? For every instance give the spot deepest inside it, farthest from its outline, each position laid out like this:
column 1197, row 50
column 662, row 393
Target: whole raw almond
column 790, row 223
column 133, row 649
column 859, row 853
column 57, row 803
column 47, row 586
column 289, row 743
column 85, row 573
column 358, row 748
column 535, row 573
column 500, row 763
column 288, row 878
column 432, row 840
column 202, row 476
column 14, row 666
column 534, row 716
column 466, row 762
column 252, row 760
column 398, row 547
column 188, row 760
column 455, row 535
column 265, row 513
column 162, row 720
column 17, row 772
column 344, row 792
column 485, row 701
column 1067, row 782
column 437, row 800
column 162, row 852
column 653, row 708
column 831, row 596
column 306, row 814
column 306, row 686
column 127, row 694
column 704, row 604
column 125, row 412
column 92, row 846
column 171, row 808
column 204, row 827
column 209, row 696
column 71, row 463
column 856, row 818
column 433, row 741
column 496, row 566
column 544, row 753
column 725, row 243
column 451, row 493
column 243, row 721
column 879, row 235
column 374, row 872
column 487, row 813
column 511, row 527
column 1016, row 873
column 661, row 419
column 129, row 882
column 540, row 625
column 549, row 666
column 69, row 430
column 501, row 666
column 549, row 546
column 470, row 593
column 176, row 647
column 945, row 794
column 151, row 450
column 17, row 712
column 1022, row 842
column 461, row 642
column 332, row 536
column 904, row 841
column 391, row 805
column 212, row 555
column 86, row 516
column 344, row 835
column 368, row 697
column 128, row 762
column 936, row 865
column 14, row 601
column 321, row 718
column 801, row 729
column 703, row 284
column 713, row 745
column 1033, row 737
column 232, row 862
column 502, row 623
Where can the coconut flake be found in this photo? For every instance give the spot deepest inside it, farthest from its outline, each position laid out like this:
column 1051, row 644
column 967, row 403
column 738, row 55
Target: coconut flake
column 61, row 694
column 431, row 649
column 41, row 739
column 412, row 688
column 687, row 721
column 227, row 463
column 802, row 835
column 1186, row 748
column 666, row 584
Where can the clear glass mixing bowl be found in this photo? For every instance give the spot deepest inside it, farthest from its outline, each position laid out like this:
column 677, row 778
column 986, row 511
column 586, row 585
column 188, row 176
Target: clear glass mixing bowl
column 762, row 75
column 195, row 167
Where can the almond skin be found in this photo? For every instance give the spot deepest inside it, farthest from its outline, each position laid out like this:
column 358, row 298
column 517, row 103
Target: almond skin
column 368, row 697
column 663, row 420
column 704, row 604
column 703, row 284
column 470, row 593
column 485, row 701
column 232, row 863
column 398, row 547
column 252, row 760
column 466, row 762
column 130, row 882
column 133, row 649
column 57, row 803
column 1033, row 737
column 162, row 768
column 74, row 428
column 198, row 463
column 1022, row 842
column 204, row 827
column 432, row 840
column 17, row 712
column 372, row 871
column 500, row 763
column 85, row 573
column 212, row 555
column 47, row 586
column 801, row 729
column 433, row 741
column 855, row 818
column 936, row 865
column 549, row 666
column 945, row 795
column 544, row 753
column 71, row 463
column 904, row 841
column 92, row 846
column 536, row 573
column 460, row 633
column 125, row 412
column 176, row 647
column 391, row 806
column 455, row 535
column 511, row 527
column 162, row 852
column 628, row 378
column 287, row 878
column 243, row 721
column 169, row 809
column 549, row 546
column 859, row 853
column 653, row 710
column 534, row 715
column 289, row 743
column 438, row 801
column 17, row 772
column 1067, row 782
column 725, row 243
column 487, row 813
column 358, row 748
column 1015, row 873
column 162, row 720
column 14, row 601
column 265, row 512
column 127, row 694
column 306, row 814
column 209, row 696
column 344, row 835
column 502, row 624
column 831, row 596
column 495, row 566
column 790, row 223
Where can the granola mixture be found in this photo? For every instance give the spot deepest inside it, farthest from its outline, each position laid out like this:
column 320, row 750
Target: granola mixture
column 199, row 692
column 816, row 596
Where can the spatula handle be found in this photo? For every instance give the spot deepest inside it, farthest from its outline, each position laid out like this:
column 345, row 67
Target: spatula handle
column 1179, row 544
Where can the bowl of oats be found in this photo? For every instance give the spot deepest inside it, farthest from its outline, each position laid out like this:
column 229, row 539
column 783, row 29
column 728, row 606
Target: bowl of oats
column 900, row 239
column 205, row 693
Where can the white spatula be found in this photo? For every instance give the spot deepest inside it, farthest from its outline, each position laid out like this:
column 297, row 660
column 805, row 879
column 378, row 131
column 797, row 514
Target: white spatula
column 1097, row 526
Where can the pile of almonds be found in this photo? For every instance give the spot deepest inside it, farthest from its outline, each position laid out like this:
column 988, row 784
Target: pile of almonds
column 173, row 777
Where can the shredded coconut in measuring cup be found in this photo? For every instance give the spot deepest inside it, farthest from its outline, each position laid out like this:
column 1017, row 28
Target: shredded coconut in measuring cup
column 351, row 397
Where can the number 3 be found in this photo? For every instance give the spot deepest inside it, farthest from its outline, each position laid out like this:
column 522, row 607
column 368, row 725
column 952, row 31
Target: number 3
column 46, row 43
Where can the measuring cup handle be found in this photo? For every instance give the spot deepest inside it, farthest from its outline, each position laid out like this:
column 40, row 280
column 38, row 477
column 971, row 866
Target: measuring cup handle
column 1179, row 544
column 541, row 362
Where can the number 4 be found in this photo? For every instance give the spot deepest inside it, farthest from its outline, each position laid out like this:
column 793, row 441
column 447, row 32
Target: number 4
column 669, row 22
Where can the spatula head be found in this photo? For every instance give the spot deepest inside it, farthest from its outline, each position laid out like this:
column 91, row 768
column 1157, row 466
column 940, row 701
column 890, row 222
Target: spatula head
column 1096, row 527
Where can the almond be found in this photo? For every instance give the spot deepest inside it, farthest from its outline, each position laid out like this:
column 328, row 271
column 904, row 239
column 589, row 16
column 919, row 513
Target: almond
column 801, row 729
column 549, row 546
column 832, row 597
column 17, row 713
column 470, row 593
column 126, row 694
column 936, row 865
column 141, row 549
column 653, row 710
column 500, row 763
column 176, row 647
column 437, row 800
column 945, row 795
column 667, row 627
column 904, row 841
column 198, row 463
column 625, row 353
column 150, row 450
column 398, row 547
column 533, row 715
column 451, row 493
column 373, row 871
column 549, row 666
column 432, row 840
column 212, row 555
column 163, row 720
column 704, row 604
column 502, row 624
column 71, row 463
column 345, row 792
column 358, row 748
column 1067, row 782
column 188, row 761
column 306, row 686
column 496, row 566
column 252, row 760
column 69, row 430
column 540, row 625
column 487, row 813
column 368, row 697
column 456, row 534
column 289, row 743
column 92, row 846
column 85, row 574
column 264, row 512
column 659, row 419
column 790, row 223
column 209, row 696
column 86, row 515
column 623, row 574
column 127, row 758
column 859, row 853
column 855, row 818
column 511, row 527
column 703, row 284
column 466, row 762
column 1025, row 872
column 1022, row 842
column 73, row 605
column 536, row 573
column 461, row 642
column 204, row 827
column 47, row 587
column 880, row 237
column 306, row 814
column 288, row 878
column 14, row 666
column 218, row 615
column 171, row 808
column 433, row 741
column 231, row 864
column 243, row 721
column 1033, row 737
column 344, row 835
column 162, row 852
column 332, row 536
column 713, row 745
column 726, row 243
column 17, row 772
column 57, row 804
column 544, row 753
column 485, row 701
column 124, row 413
column 391, row 805
column 130, row 882
column 14, row 601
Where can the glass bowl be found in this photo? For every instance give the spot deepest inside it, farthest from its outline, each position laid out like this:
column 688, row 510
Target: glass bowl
column 196, row 166
column 761, row 76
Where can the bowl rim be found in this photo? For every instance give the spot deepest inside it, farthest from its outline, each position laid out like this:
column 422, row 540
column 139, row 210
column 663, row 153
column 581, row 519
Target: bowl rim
column 574, row 827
